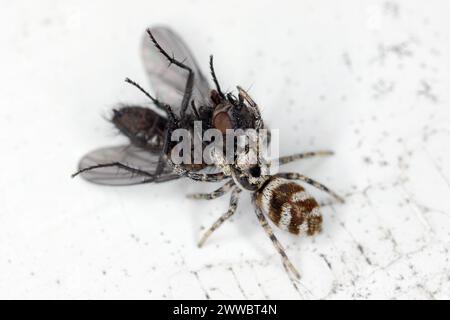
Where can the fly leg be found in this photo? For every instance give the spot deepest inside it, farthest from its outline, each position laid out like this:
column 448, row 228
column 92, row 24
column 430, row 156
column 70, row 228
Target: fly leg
column 119, row 165
column 190, row 79
column 213, row 74
column 172, row 123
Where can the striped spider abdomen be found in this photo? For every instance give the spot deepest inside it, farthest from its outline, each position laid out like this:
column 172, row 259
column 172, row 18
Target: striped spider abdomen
column 289, row 206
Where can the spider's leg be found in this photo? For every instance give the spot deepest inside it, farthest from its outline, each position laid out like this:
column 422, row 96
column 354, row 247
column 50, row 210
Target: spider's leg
column 215, row 194
column 231, row 210
column 305, row 155
column 298, row 176
column 205, row 177
column 286, row 262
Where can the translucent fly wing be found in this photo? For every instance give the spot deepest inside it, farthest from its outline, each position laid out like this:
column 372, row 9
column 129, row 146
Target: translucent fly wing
column 169, row 82
column 128, row 155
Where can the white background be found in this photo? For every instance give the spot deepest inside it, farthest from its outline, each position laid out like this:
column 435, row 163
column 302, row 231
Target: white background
column 368, row 79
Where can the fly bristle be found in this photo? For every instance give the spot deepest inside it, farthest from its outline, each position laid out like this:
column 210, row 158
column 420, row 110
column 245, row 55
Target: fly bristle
column 290, row 207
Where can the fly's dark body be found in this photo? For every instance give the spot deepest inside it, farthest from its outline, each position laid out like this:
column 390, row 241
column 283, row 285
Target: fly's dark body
column 143, row 126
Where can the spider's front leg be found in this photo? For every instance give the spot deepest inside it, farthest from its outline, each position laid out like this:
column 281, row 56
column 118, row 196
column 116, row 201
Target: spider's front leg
column 304, row 155
column 205, row 177
column 243, row 95
column 213, row 195
column 318, row 185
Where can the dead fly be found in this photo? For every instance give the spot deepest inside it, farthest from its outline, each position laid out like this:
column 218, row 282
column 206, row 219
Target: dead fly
column 184, row 96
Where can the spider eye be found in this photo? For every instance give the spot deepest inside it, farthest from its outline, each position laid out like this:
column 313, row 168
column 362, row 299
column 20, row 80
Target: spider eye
column 255, row 171
column 222, row 121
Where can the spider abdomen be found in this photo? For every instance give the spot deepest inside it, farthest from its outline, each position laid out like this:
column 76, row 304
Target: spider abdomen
column 289, row 206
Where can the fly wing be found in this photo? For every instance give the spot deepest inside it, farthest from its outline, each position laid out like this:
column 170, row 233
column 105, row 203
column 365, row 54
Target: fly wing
column 129, row 155
column 169, row 82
